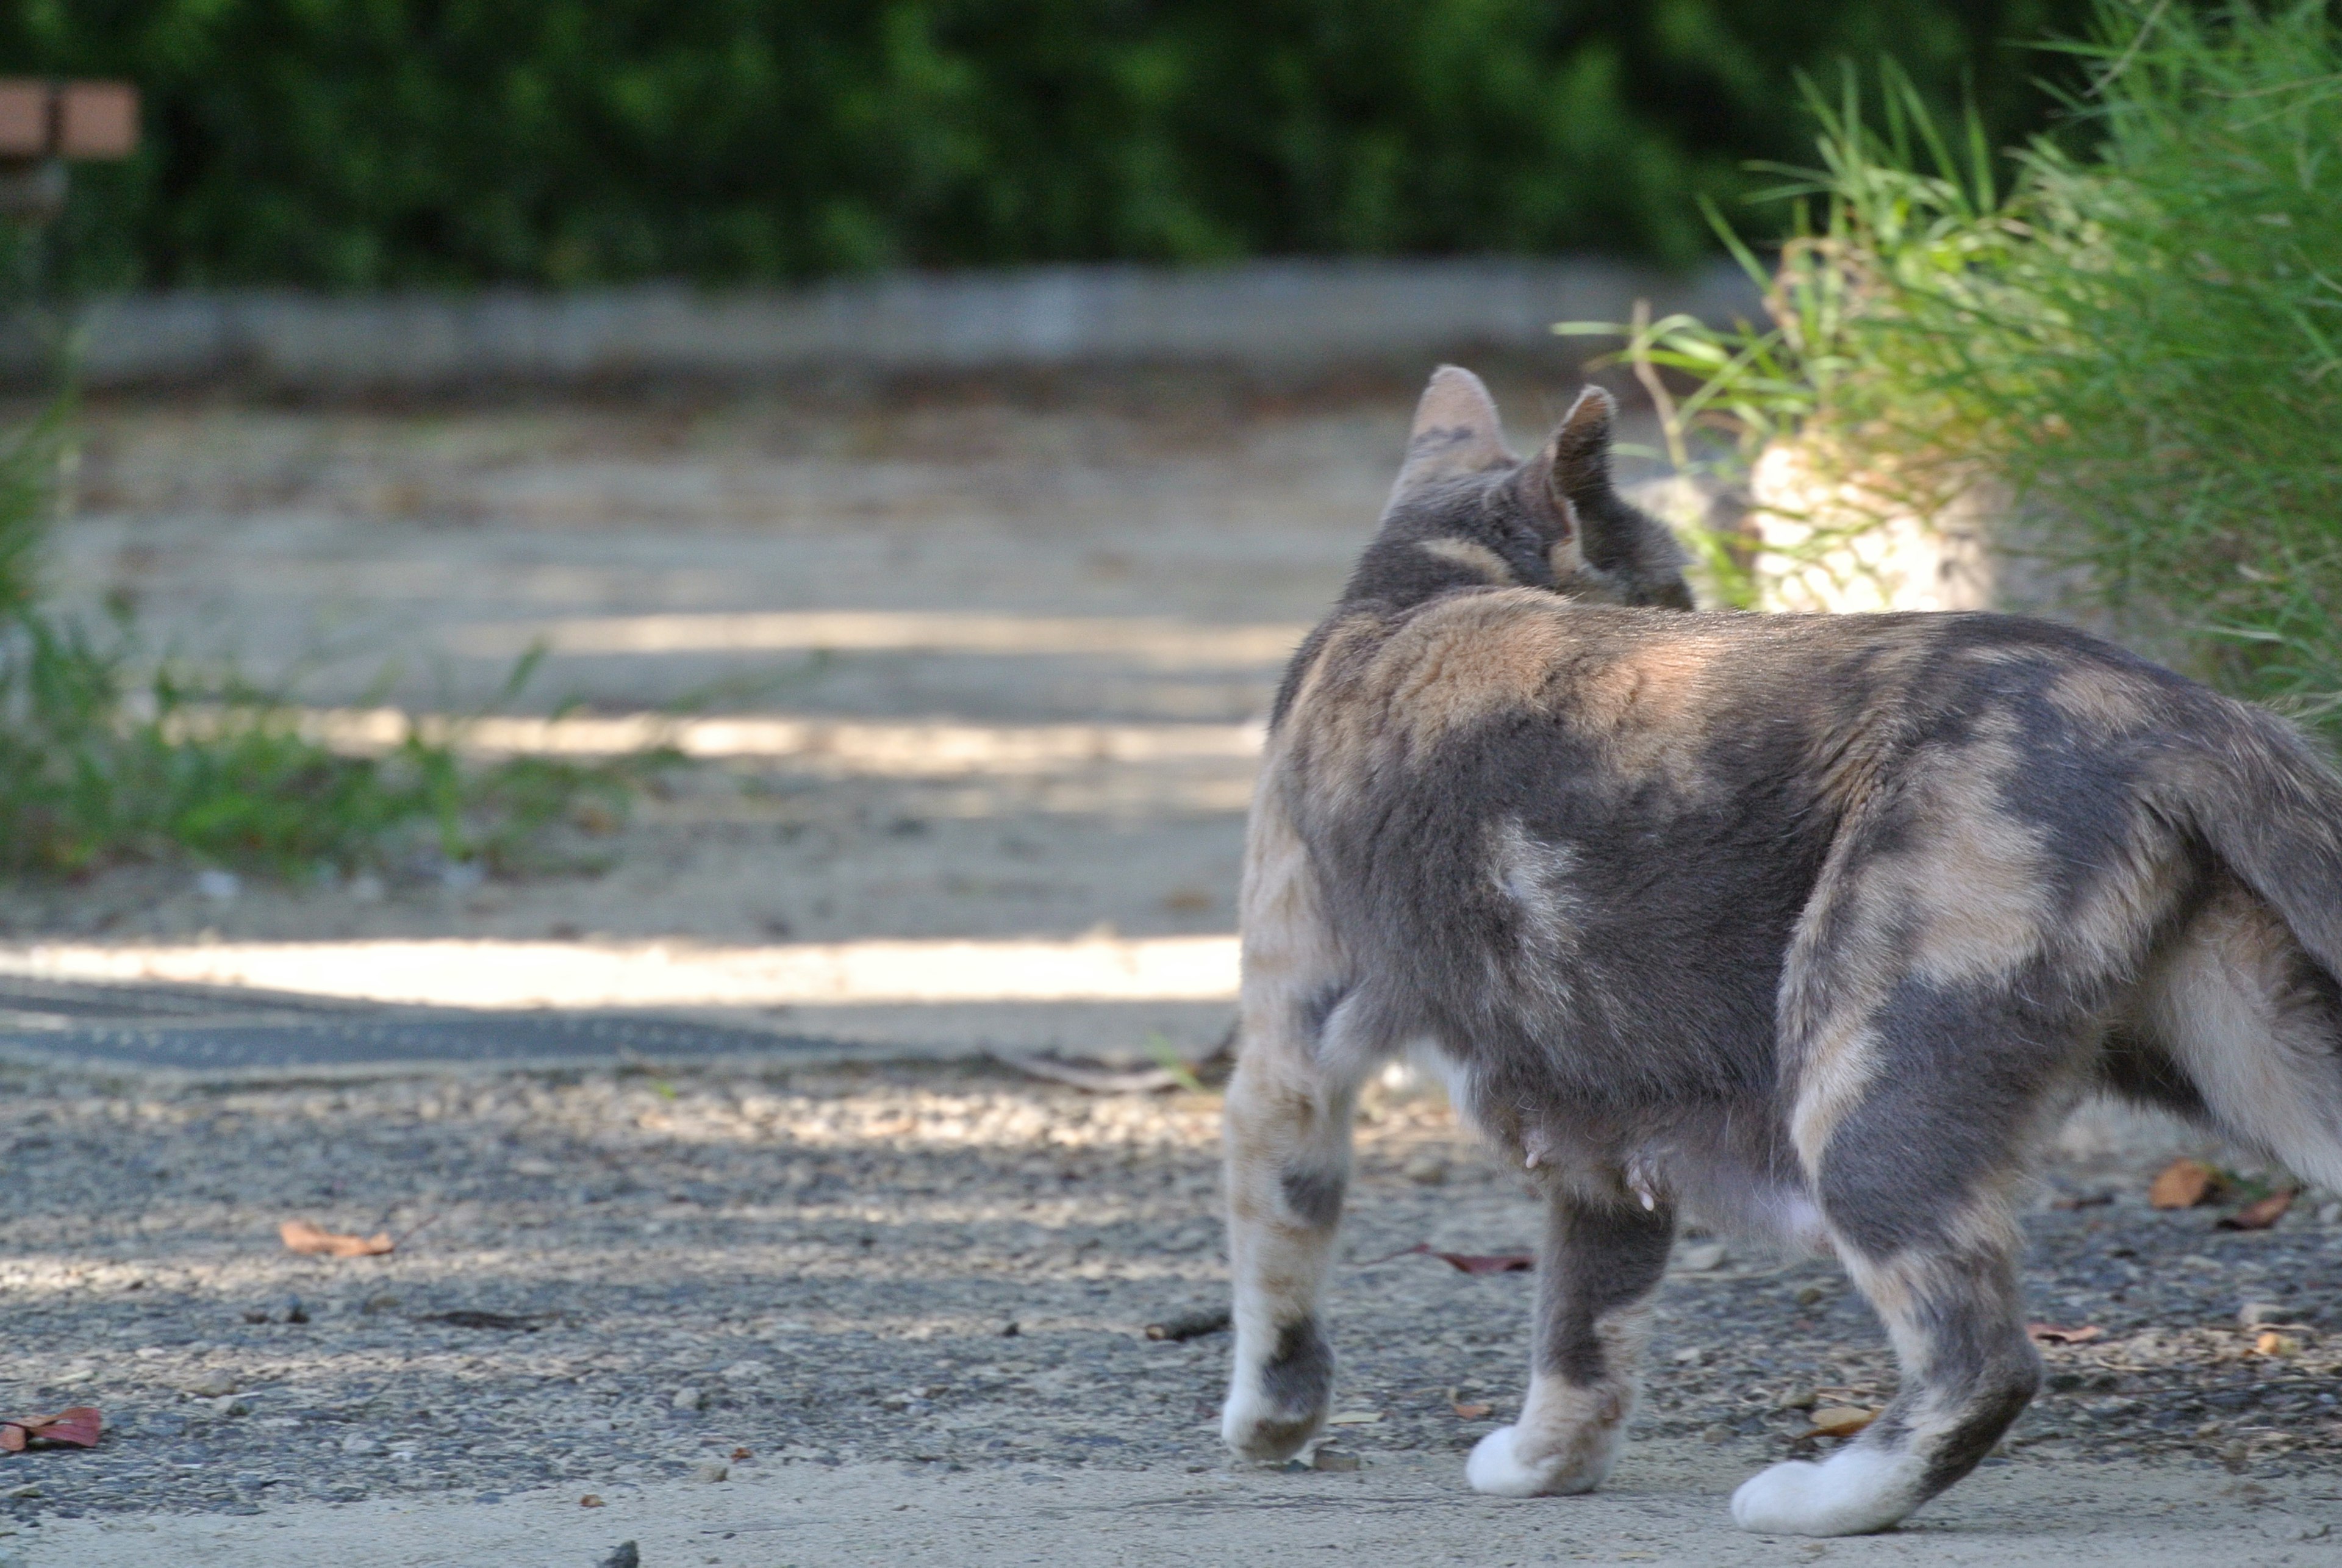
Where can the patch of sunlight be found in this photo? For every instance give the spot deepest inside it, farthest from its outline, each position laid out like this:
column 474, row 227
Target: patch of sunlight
column 469, row 972
column 1156, row 641
column 940, row 748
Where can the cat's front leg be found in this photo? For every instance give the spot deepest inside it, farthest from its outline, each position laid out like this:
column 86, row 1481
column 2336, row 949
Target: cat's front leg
column 1288, row 1143
column 1597, row 1269
column 1289, row 1157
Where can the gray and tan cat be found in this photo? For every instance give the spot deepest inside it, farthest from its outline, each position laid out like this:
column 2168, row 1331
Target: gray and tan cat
column 1812, row 926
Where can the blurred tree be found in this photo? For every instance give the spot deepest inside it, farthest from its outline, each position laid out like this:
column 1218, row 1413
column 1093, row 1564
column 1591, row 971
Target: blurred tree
column 363, row 143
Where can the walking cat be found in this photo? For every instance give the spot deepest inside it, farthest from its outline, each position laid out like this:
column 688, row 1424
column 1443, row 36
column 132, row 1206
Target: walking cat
column 1812, row 926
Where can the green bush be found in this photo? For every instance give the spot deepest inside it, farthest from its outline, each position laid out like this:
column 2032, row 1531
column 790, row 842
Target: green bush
column 558, row 142
column 2140, row 343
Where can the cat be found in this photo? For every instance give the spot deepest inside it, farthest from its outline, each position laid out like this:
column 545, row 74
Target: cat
column 1812, row 926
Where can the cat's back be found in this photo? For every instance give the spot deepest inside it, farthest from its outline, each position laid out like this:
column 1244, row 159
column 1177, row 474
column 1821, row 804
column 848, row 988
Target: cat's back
column 1680, row 711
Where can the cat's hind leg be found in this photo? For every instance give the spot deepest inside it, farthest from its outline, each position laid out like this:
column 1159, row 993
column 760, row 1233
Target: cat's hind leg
column 1917, row 1165
column 1599, row 1261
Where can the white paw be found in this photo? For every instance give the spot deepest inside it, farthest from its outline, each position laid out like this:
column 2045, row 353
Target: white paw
column 1498, row 1469
column 1852, row 1492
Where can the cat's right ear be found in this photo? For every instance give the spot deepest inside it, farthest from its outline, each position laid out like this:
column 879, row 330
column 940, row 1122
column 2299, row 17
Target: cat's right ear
column 1455, row 432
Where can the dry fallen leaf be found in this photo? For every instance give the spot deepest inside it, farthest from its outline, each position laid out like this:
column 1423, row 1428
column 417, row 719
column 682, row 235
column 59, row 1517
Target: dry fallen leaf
column 591, row 1500
column 77, row 1428
column 2272, row 1343
column 1471, row 1412
column 1469, row 1263
column 2043, row 1334
column 1488, row 1262
column 1355, row 1418
column 742, row 1453
column 303, row 1237
column 2182, row 1184
column 1841, row 1421
column 1190, row 1325
column 2261, row 1215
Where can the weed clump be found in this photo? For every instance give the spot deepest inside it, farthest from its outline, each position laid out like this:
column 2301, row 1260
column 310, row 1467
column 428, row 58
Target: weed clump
column 106, row 759
column 2136, row 351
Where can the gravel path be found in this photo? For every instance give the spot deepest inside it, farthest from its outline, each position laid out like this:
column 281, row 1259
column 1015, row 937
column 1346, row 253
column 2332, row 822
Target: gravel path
column 610, row 1282
column 610, row 1286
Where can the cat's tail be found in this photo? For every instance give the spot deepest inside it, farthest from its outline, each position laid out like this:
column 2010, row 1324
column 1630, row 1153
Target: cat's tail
column 2271, row 810
column 2246, row 1000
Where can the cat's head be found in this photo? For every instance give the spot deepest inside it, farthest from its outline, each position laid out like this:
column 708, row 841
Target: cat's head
column 1466, row 513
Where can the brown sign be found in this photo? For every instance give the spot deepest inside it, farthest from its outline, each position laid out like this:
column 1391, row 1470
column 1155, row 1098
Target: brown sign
column 68, row 119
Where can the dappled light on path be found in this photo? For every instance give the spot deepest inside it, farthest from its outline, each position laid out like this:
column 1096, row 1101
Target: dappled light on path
column 1151, row 639
column 901, row 749
column 470, row 972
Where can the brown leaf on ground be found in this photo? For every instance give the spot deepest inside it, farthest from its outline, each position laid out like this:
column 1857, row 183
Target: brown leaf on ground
column 742, row 1453
column 74, row 1428
column 2271, row 1343
column 1471, row 1412
column 1467, row 1263
column 2261, row 1215
column 2043, row 1334
column 313, row 1241
column 2183, row 1184
column 1841, row 1421
column 591, row 1500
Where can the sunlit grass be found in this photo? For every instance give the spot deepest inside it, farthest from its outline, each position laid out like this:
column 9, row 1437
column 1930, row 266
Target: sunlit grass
column 2140, row 343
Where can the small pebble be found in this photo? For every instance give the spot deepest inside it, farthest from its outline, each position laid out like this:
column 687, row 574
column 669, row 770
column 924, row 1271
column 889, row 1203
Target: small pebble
column 1335, row 1461
column 627, row 1555
column 713, row 1469
column 1703, row 1257
column 1425, row 1171
column 687, row 1399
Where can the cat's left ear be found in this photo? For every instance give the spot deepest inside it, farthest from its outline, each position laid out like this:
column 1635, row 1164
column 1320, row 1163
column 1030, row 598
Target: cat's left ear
column 1571, row 470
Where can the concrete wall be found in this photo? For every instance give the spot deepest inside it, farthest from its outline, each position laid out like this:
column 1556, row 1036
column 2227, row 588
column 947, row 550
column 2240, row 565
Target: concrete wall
column 1268, row 314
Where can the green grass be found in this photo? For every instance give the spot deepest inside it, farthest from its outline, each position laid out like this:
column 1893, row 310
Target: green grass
column 106, row 757
column 2140, row 344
